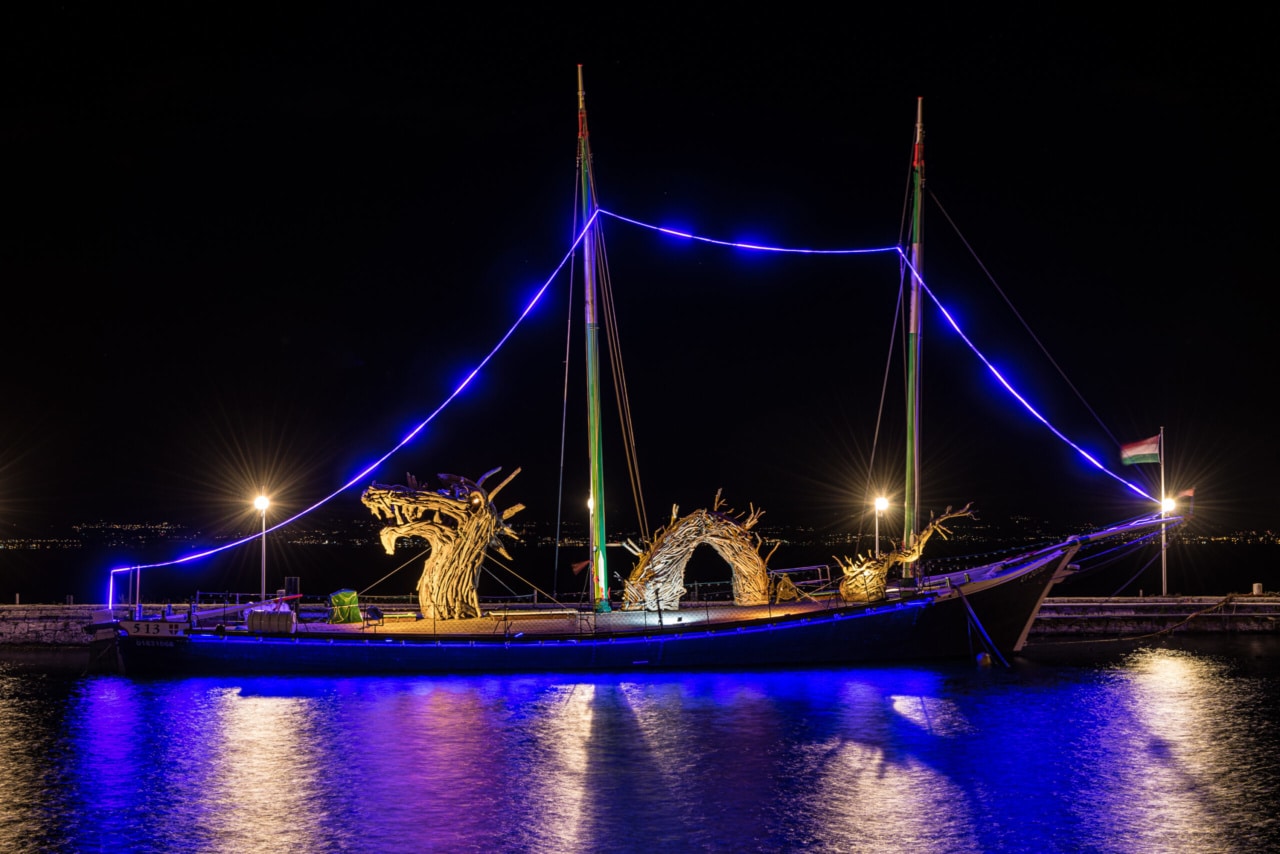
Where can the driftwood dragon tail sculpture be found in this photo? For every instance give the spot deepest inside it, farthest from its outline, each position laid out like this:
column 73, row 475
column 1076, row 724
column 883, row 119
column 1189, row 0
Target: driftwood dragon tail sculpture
column 657, row 581
column 864, row 578
column 460, row 524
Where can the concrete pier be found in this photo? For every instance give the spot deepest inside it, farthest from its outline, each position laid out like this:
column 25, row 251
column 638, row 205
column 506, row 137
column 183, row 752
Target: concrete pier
column 46, row 624
column 1131, row 616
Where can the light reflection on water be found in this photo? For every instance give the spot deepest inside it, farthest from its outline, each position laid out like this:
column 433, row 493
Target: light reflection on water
column 1154, row 750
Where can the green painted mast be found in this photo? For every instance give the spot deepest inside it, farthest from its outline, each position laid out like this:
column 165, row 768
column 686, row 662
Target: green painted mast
column 911, row 492
column 596, row 531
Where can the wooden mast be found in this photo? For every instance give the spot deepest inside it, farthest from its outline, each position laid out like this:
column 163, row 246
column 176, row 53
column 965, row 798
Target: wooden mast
column 911, row 492
column 596, row 531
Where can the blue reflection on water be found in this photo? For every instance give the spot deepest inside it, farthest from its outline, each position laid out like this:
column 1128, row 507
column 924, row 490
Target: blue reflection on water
column 1158, row 749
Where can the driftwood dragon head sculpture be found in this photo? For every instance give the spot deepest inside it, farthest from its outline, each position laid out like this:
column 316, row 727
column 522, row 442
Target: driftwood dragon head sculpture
column 460, row 523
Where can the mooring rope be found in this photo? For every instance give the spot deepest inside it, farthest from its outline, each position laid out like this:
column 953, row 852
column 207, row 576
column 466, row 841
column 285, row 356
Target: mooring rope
column 1132, row 638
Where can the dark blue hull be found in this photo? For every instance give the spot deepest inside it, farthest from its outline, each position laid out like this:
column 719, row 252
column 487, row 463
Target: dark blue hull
column 953, row 622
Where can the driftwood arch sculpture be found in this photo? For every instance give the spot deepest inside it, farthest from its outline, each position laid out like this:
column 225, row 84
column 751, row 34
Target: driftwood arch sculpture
column 657, row 581
column 459, row 522
column 864, row 578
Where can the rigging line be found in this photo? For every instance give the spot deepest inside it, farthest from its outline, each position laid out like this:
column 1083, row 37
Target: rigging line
column 629, row 434
column 1134, row 577
column 394, row 571
column 884, row 389
column 1025, row 325
column 906, row 191
column 614, row 346
column 973, row 617
column 1102, row 560
column 1009, row 388
column 564, row 401
column 613, row 339
column 564, row 422
column 511, row 594
column 518, row 577
column 1106, row 557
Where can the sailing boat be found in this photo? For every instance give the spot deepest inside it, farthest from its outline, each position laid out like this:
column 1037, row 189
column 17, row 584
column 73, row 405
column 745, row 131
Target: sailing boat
column 882, row 609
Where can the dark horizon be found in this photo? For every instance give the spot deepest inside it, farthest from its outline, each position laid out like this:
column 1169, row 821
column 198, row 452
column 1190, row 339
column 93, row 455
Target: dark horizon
column 258, row 255
column 1200, row 564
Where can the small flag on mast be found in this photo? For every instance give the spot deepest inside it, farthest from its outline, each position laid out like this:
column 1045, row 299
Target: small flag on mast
column 1188, row 493
column 1145, row 451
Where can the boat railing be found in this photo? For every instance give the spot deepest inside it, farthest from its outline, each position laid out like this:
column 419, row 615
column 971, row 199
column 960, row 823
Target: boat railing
column 231, row 608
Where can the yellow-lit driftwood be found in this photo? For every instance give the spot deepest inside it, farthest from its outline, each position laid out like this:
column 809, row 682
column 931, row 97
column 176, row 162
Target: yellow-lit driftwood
column 657, row 581
column 864, row 578
column 459, row 522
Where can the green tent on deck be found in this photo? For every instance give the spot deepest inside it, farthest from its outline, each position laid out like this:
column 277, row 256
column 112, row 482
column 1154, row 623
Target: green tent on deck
column 344, row 607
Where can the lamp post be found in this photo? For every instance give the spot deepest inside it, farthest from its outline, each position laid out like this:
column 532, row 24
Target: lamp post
column 881, row 504
column 1167, row 506
column 260, row 504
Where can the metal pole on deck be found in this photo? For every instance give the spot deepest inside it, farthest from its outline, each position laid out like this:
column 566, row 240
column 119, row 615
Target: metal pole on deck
column 597, row 536
column 882, row 504
column 1164, row 512
column 261, row 503
column 911, row 494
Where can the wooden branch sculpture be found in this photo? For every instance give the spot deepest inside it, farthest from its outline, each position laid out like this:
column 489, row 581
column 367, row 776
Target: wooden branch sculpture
column 459, row 522
column 864, row 579
column 657, row 581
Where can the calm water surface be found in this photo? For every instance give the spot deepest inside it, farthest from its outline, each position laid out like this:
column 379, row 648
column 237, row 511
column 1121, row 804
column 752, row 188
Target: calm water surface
column 1141, row 750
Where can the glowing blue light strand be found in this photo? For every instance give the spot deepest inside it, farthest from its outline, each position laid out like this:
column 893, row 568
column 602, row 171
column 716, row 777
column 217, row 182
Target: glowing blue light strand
column 999, row 378
column 752, row 246
column 365, row 472
column 412, row 434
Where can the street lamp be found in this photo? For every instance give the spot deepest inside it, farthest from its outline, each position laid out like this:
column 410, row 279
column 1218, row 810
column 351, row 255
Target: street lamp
column 1167, row 506
column 882, row 504
column 260, row 504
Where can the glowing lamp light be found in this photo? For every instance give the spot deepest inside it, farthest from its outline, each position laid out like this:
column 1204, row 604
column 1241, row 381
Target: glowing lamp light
column 1168, row 505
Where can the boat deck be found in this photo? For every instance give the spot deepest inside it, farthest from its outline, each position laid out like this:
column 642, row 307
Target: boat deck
column 544, row 621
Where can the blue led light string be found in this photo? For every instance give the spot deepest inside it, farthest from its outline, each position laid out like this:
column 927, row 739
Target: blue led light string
column 1025, row 403
column 752, row 246
column 412, row 434
column 365, row 472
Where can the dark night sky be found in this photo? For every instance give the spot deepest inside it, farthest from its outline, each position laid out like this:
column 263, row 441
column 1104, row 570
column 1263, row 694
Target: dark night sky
column 247, row 250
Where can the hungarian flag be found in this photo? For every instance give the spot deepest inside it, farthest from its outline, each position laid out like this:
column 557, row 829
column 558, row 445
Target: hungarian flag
column 1146, row 451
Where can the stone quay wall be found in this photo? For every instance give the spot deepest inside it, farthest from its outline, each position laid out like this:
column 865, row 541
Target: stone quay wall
column 62, row 625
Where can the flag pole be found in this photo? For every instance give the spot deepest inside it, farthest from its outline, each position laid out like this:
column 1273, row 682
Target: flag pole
column 1164, row 546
